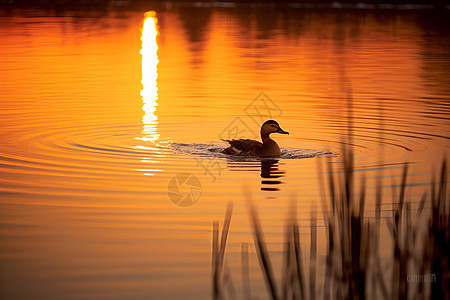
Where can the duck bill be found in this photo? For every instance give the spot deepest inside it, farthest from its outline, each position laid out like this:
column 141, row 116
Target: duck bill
column 282, row 131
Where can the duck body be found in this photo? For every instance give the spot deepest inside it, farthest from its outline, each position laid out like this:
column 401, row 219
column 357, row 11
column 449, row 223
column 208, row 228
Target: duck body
column 247, row 147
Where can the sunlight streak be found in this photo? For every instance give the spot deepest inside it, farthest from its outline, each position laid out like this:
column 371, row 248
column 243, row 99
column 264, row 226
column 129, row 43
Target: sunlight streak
column 149, row 91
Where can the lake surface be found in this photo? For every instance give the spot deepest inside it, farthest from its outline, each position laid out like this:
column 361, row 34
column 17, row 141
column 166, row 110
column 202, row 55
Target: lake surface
column 111, row 128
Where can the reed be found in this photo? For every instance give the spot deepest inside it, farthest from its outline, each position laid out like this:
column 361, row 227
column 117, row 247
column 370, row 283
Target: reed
column 263, row 253
column 353, row 267
column 220, row 276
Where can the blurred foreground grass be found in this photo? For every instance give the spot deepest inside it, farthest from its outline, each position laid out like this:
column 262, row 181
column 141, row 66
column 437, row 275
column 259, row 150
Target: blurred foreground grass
column 420, row 250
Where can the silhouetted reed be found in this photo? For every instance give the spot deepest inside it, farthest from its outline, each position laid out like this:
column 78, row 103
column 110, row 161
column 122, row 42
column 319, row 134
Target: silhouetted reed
column 220, row 276
column 261, row 250
column 353, row 267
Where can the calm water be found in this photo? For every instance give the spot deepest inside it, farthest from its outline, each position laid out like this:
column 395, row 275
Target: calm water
column 102, row 112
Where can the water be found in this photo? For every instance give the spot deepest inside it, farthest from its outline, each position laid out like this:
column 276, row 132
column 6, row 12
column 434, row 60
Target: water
column 101, row 111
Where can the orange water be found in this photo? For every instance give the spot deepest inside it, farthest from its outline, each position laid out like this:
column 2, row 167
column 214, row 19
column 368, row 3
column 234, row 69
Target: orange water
column 100, row 112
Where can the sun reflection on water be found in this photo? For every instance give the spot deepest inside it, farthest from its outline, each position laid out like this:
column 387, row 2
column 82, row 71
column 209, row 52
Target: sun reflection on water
column 149, row 91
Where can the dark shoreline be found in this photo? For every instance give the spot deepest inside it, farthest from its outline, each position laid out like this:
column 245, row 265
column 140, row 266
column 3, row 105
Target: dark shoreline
column 441, row 5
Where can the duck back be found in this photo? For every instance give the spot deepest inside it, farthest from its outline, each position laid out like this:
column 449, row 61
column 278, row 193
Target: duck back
column 247, row 147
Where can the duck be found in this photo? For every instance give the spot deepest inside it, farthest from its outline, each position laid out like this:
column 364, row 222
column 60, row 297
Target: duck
column 248, row 147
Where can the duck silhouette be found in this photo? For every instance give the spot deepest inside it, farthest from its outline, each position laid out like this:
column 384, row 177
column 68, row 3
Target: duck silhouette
column 247, row 147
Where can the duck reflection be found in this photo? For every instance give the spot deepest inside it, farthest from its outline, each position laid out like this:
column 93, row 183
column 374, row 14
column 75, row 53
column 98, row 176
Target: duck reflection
column 271, row 175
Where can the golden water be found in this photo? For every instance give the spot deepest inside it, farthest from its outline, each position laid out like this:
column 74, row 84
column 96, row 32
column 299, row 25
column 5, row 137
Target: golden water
column 100, row 112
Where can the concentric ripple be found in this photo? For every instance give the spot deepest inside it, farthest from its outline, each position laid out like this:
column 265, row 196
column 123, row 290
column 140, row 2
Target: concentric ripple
column 77, row 161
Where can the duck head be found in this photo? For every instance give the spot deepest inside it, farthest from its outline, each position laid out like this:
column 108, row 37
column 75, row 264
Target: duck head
column 269, row 127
